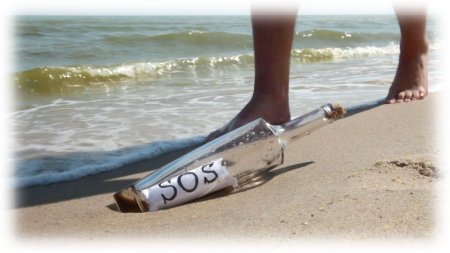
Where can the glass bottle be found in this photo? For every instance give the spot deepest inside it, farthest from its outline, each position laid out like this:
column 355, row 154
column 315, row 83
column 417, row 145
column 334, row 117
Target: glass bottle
column 228, row 161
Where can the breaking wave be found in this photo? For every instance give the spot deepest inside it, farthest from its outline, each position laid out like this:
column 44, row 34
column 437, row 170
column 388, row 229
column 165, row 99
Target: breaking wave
column 66, row 80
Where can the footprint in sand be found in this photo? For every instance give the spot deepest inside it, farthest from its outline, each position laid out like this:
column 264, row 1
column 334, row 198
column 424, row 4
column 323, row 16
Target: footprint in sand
column 424, row 167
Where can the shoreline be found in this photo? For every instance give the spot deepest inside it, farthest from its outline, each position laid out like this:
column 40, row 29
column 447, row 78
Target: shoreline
column 363, row 182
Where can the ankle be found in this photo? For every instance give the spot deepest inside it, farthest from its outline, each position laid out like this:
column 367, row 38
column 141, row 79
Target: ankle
column 280, row 101
column 413, row 48
column 273, row 109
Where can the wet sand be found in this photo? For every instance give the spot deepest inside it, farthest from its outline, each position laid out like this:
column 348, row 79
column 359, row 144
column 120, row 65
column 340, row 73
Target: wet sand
column 372, row 175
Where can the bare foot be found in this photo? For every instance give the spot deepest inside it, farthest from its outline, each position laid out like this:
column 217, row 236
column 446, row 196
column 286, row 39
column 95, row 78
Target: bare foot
column 273, row 112
column 411, row 80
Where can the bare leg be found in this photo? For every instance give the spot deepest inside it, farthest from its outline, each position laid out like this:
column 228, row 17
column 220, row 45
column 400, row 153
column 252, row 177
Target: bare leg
column 411, row 79
column 272, row 41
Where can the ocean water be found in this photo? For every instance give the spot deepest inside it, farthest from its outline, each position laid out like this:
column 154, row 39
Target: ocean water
column 95, row 93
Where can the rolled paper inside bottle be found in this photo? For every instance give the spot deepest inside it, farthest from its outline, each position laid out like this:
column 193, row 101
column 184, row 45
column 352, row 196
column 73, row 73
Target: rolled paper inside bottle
column 188, row 186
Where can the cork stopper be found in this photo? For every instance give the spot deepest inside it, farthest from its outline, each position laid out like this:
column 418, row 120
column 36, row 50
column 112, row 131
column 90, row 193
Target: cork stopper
column 334, row 112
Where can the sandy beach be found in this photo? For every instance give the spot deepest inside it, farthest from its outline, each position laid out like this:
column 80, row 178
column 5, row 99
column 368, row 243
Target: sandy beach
column 372, row 175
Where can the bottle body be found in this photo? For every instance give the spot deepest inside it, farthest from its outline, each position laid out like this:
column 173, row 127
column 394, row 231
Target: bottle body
column 252, row 147
column 231, row 160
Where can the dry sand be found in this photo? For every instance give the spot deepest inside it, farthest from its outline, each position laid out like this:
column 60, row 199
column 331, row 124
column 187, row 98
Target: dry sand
column 372, row 175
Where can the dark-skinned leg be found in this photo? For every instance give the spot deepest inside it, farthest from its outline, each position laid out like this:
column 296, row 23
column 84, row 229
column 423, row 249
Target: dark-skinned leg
column 411, row 79
column 272, row 41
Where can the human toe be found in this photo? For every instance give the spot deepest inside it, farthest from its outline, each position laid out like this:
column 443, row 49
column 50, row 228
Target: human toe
column 415, row 95
column 408, row 96
column 400, row 97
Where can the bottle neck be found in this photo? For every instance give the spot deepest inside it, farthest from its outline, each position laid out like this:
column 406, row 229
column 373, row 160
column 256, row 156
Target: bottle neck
column 306, row 124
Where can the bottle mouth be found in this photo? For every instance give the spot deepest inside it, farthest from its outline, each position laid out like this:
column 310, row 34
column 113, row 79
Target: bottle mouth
column 334, row 111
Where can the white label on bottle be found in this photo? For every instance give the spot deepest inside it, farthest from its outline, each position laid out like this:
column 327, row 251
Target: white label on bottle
column 188, row 186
